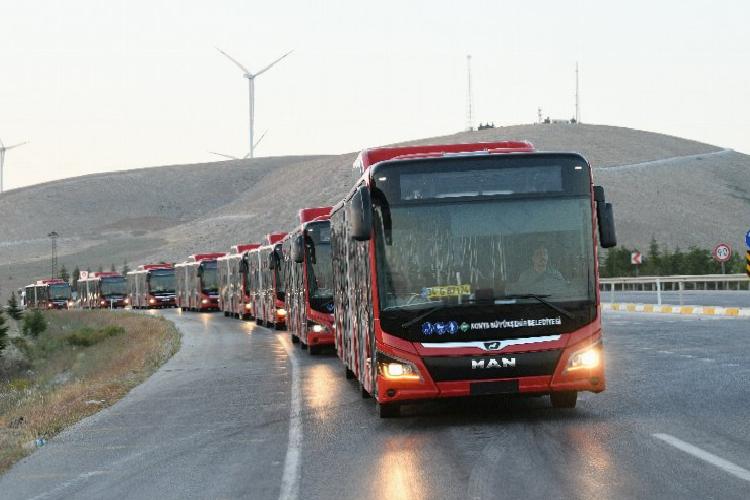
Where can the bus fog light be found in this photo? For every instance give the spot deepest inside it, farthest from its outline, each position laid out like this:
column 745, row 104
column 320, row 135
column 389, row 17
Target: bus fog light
column 318, row 328
column 281, row 312
column 585, row 358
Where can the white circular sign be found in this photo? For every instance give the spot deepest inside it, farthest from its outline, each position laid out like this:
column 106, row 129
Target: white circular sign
column 722, row 252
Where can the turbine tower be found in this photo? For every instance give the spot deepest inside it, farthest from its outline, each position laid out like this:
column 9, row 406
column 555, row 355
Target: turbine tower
column 578, row 101
column 3, row 149
column 469, row 96
column 251, row 87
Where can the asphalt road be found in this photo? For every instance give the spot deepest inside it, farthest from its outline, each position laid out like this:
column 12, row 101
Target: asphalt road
column 723, row 298
column 232, row 415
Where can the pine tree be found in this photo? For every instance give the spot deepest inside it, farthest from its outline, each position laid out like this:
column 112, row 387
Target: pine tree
column 14, row 311
column 100, row 269
column 125, row 268
column 64, row 274
column 112, row 268
column 76, row 277
column 3, row 332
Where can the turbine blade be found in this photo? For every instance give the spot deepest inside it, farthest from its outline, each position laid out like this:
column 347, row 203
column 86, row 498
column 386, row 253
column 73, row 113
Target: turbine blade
column 225, row 156
column 16, row 145
column 269, row 66
column 1, row 144
column 235, row 61
column 258, row 141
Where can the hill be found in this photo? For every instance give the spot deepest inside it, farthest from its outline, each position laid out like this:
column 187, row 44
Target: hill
column 681, row 192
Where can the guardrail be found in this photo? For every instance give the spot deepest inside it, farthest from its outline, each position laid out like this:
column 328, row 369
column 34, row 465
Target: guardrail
column 678, row 283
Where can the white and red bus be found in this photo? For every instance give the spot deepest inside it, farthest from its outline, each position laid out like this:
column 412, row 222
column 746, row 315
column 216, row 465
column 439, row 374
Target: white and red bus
column 152, row 286
column 47, row 294
column 266, row 283
column 308, row 274
column 234, row 291
column 197, row 282
column 470, row 269
column 102, row 290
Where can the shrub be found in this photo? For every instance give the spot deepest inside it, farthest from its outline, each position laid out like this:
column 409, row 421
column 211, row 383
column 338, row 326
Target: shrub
column 14, row 311
column 87, row 336
column 33, row 324
column 3, row 332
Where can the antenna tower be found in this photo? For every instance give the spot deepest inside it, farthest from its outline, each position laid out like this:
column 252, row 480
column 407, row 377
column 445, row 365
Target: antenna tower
column 53, row 263
column 578, row 97
column 469, row 96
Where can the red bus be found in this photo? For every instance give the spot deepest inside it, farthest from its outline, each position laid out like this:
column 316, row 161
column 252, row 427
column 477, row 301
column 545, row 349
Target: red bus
column 197, row 282
column 152, row 286
column 470, row 269
column 102, row 290
column 234, row 291
column 47, row 294
column 266, row 282
column 308, row 275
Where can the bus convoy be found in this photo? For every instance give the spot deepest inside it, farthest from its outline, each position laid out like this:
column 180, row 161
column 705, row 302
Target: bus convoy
column 447, row 270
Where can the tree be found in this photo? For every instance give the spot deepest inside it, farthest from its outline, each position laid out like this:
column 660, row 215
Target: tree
column 14, row 311
column 652, row 263
column 125, row 268
column 33, row 323
column 76, row 277
column 64, row 274
column 3, row 332
column 100, row 269
column 112, row 268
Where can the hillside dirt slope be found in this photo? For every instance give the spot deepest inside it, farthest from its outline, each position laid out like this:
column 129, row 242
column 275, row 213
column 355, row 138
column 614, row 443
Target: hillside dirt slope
column 679, row 191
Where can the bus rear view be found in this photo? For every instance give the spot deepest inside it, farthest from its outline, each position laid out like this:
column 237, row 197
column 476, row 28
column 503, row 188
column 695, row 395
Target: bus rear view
column 481, row 274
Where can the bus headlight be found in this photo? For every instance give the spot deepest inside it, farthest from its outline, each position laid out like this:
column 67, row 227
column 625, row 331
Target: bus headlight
column 127, row 301
column 152, row 301
column 589, row 357
column 397, row 369
column 103, row 302
column 281, row 312
column 248, row 306
column 204, row 301
column 318, row 328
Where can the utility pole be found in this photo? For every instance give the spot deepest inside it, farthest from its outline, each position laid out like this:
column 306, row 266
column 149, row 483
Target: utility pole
column 469, row 96
column 53, row 264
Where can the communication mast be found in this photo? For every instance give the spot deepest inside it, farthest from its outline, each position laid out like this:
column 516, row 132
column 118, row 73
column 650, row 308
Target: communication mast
column 578, row 97
column 53, row 264
column 469, row 96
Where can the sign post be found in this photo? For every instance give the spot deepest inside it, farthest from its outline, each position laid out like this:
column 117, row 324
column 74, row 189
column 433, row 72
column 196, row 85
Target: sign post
column 722, row 253
column 636, row 258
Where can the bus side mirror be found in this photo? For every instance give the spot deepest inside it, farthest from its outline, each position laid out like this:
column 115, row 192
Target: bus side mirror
column 599, row 194
column 244, row 265
column 298, row 249
column 360, row 212
column 272, row 260
column 605, row 215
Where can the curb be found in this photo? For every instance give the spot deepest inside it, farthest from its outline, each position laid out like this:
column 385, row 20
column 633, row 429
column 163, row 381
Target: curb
column 668, row 309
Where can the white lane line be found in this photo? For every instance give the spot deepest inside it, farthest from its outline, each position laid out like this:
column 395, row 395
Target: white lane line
column 719, row 462
column 291, row 474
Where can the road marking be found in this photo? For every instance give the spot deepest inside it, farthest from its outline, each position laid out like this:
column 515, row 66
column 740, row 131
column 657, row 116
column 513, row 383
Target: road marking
column 290, row 476
column 714, row 460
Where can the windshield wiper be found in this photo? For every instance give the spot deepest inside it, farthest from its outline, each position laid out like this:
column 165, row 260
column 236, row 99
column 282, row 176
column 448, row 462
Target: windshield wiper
column 540, row 299
column 442, row 305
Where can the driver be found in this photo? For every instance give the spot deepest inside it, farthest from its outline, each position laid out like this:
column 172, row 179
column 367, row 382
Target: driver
column 540, row 276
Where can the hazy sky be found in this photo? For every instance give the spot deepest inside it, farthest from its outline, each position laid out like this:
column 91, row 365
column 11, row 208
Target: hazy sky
column 106, row 85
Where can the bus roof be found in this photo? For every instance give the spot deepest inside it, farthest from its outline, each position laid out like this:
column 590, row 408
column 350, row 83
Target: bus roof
column 244, row 248
column 55, row 281
column 371, row 156
column 313, row 213
column 274, row 237
column 149, row 267
column 198, row 257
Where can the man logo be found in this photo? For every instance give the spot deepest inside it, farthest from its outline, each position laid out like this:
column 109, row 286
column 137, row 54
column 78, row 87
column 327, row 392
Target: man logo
column 479, row 364
column 493, row 346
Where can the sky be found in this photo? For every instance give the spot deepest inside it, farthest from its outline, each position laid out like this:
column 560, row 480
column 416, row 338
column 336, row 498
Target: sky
column 100, row 86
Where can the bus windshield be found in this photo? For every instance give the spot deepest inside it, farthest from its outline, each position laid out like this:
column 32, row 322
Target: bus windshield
column 209, row 277
column 162, row 281
column 319, row 266
column 114, row 286
column 59, row 292
column 475, row 250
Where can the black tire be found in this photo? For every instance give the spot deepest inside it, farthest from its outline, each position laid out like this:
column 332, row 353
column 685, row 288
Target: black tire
column 226, row 313
column 348, row 373
column 258, row 321
column 302, row 345
column 363, row 392
column 295, row 339
column 564, row 399
column 314, row 349
column 389, row 410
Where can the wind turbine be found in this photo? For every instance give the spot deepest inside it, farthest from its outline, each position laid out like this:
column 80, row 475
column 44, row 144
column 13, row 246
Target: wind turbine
column 244, row 157
column 3, row 149
column 251, row 84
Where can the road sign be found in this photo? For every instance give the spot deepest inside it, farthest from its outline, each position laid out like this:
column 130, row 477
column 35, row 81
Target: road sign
column 636, row 258
column 747, row 240
column 84, row 275
column 722, row 252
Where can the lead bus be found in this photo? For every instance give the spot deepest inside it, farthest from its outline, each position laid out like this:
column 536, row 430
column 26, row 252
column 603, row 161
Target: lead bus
column 152, row 286
column 468, row 270
column 197, row 282
column 47, row 294
column 102, row 290
column 234, row 291
column 308, row 273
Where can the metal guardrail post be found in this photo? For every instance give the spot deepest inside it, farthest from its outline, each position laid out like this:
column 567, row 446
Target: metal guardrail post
column 658, row 291
column 682, row 287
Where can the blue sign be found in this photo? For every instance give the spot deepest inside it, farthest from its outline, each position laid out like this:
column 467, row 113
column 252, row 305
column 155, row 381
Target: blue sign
column 747, row 240
column 440, row 328
column 427, row 328
column 452, row 327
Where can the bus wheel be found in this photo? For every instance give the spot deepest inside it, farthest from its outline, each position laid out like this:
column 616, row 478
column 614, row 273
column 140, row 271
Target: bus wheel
column 226, row 313
column 295, row 339
column 302, row 346
column 348, row 373
column 314, row 349
column 389, row 410
column 258, row 321
column 565, row 399
column 363, row 392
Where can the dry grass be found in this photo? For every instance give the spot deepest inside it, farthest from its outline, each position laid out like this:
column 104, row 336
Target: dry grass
column 69, row 382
